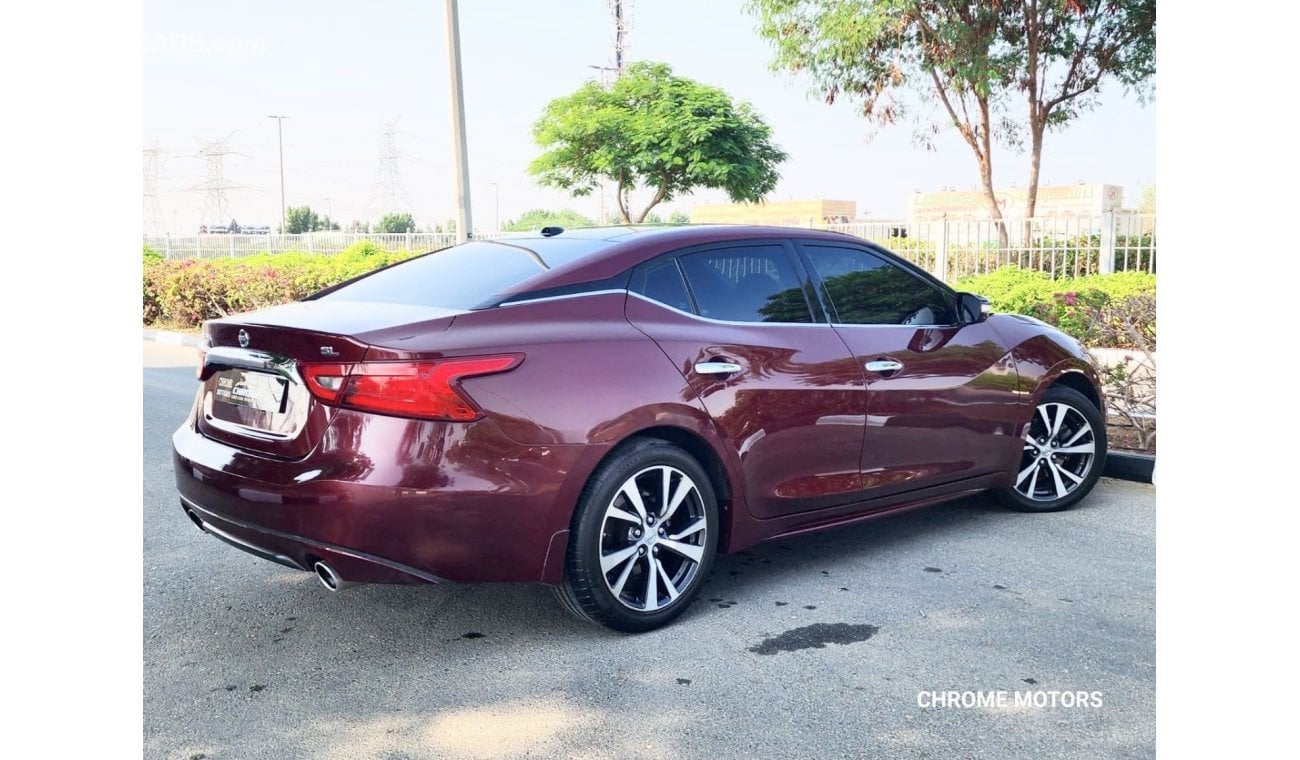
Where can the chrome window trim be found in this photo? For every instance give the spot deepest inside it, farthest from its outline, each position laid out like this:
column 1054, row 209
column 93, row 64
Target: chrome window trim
column 674, row 309
column 562, row 297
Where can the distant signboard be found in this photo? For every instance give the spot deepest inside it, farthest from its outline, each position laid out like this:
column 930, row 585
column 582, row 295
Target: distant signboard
column 1087, row 200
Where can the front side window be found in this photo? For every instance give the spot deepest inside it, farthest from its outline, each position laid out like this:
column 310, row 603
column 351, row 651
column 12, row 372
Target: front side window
column 865, row 289
column 747, row 284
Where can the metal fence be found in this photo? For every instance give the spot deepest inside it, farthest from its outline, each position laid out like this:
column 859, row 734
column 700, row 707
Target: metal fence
column 235, row 246
column 1060, row 246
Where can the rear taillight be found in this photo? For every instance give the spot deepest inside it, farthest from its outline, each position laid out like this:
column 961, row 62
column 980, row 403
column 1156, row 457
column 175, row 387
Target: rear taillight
column 427, row 389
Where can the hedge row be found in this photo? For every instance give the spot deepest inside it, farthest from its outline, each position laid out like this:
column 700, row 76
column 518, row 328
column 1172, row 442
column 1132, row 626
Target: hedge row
column 1099, row 310
column 1111, row 310
column 184, row 293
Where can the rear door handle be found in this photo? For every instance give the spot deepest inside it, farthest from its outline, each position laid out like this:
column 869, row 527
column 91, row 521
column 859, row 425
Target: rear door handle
column 717, row 368
column 884, row 365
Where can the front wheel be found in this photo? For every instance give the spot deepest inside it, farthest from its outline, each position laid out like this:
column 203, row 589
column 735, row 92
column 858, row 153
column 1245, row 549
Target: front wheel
column 642, row 539
column 1064, row 452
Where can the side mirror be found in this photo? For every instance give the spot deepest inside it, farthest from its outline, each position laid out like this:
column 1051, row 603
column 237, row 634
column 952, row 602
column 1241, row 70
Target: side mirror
column 972, row 308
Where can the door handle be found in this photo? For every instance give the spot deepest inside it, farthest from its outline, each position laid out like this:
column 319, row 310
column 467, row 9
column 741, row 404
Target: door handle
column 717, row 368
column 884, row 366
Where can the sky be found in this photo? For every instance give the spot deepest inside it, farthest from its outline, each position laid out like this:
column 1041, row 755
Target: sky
column 341, row 71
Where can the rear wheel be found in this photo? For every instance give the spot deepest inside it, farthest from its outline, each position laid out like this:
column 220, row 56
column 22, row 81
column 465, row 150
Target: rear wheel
column 1064, row 450
column 642, row 539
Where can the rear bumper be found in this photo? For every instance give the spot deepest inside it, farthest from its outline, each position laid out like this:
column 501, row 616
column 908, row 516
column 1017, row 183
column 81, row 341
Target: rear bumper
column 401, row 501
column 302, row 554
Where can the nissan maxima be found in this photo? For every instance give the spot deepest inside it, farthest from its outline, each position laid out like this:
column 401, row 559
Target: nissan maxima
column 603, row 410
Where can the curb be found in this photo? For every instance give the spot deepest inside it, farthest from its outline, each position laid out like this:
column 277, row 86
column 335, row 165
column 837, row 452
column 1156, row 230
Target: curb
column 1139, row 468
column 175, row 338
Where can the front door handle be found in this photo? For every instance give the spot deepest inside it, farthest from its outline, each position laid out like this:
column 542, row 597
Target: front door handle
column 884, row 366
column 717, row 368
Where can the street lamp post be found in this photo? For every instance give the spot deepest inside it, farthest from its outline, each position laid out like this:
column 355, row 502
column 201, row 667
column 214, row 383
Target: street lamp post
column 464, row 225
column 279, row 126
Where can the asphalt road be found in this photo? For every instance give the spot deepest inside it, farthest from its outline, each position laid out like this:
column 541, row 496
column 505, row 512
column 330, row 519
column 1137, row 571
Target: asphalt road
column 811, row 647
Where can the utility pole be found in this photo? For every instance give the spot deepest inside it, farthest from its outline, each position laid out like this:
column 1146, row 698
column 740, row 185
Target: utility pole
column 279, row 125
column 464, row 221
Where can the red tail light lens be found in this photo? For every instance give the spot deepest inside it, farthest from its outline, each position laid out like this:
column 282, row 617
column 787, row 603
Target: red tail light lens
column 426, row 390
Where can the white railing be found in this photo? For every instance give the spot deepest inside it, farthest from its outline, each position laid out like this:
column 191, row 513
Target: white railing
column 235, row 246
column 1060, row 246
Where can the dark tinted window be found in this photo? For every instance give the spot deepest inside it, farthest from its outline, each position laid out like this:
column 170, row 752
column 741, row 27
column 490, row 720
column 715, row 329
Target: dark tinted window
column 867, row 290
column 750, row 284
column 465, row 275
column 662, row 282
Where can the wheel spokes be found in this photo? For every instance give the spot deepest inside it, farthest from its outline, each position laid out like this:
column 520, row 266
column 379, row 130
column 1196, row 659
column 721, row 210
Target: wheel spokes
column 657, row 510
column 1067, row 451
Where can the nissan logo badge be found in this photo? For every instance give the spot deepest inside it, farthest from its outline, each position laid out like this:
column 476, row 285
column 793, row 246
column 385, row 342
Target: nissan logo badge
column 243, row 339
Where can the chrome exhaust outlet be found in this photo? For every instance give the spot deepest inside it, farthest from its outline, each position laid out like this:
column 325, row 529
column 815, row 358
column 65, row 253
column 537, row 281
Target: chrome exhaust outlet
column 329, row 578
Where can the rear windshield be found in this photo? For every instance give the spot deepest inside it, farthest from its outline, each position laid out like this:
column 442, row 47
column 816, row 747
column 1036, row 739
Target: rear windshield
column 466, row 275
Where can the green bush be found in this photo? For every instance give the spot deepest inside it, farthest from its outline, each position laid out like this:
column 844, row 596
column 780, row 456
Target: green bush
column 1087, row 308
column 184, row 293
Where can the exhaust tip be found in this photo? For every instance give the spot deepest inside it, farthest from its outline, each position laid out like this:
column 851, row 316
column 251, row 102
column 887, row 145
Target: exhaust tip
column 327, row 577
column 194, row 518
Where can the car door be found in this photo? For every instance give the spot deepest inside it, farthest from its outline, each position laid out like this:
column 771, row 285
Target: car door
column 742, row 324
column 941, row 397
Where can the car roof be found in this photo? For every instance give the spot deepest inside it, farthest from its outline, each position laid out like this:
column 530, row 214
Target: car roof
column 632, row 244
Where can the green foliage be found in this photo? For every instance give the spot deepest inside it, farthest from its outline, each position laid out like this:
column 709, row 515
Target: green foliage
column 538, row 218
column 392, row 223
column 187, row 292
column 151, row 254
column 1090, row 308
column 300, row 219
column 654, row 130
column 971, row 66
column 679, row 217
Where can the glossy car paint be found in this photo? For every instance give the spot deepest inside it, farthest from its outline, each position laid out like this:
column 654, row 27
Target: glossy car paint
column 395, row 500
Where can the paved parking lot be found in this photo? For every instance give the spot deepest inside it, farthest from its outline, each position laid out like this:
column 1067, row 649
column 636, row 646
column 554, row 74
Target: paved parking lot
column 810, row 647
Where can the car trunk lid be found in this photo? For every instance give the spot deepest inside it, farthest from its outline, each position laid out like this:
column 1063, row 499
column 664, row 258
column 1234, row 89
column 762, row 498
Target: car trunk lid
column 254, row 395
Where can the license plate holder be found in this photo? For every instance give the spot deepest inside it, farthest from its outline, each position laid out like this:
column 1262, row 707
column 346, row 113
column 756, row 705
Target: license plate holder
column 258, row 391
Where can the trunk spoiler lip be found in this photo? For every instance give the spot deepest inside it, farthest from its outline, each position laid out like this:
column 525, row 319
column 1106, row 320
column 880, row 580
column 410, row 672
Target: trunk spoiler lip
column 228, row 357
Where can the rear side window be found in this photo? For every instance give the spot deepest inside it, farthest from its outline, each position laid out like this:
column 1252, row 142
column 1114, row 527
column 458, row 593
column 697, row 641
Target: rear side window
column 865, row 289
column 747, row 284
column 466, row 275
column 662, row 282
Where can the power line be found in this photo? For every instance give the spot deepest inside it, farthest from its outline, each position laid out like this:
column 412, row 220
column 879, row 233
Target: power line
column 389, row 194
column 154, row 158
column 216, row 207
column 621, row 11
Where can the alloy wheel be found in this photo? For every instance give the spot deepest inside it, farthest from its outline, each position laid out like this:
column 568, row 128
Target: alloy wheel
column 1060, row 448
column 652, row 538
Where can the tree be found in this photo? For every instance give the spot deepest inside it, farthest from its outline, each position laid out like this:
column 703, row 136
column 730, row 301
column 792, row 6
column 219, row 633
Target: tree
column 538, row 218
column 298, row 220
column 1148, row 204
column 402, row 222
column 1066, row 49
column 652, row 218
column 654, row 130
column 970, row 58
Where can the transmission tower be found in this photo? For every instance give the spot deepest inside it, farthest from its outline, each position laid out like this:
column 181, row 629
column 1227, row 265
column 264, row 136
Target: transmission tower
column 154, row 158
column 389, row 193
column 216, row 207
column 621, row 11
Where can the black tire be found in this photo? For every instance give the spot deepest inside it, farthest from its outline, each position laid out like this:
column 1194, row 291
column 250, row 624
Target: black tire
column 587, row 591
column 1046, row 457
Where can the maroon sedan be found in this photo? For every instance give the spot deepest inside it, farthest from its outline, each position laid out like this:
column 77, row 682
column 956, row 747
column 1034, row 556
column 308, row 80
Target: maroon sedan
column 602, row 410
